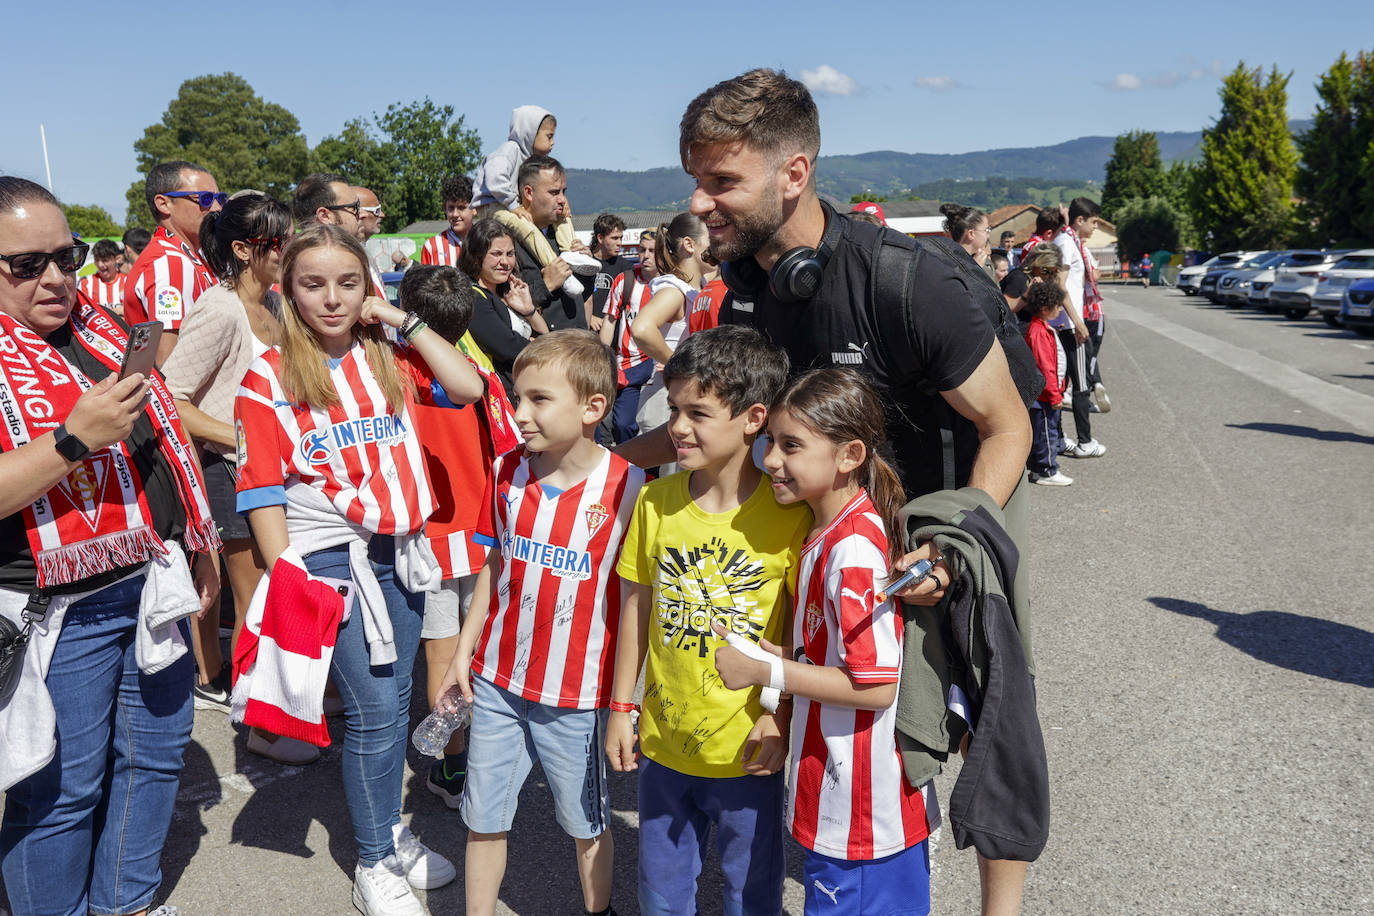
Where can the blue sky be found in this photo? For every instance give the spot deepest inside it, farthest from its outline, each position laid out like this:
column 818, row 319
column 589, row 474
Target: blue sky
column 915, row 77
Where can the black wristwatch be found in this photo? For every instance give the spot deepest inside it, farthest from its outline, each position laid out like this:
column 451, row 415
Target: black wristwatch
column 70, row 447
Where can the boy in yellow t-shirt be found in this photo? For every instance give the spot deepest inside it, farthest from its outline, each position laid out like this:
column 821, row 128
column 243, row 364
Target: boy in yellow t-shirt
column 708, row 544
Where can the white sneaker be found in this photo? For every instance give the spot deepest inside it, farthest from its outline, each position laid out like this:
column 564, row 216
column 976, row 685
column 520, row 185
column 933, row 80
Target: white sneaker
column 573, row 287
column 1057, row 479
column 289, row 751
column 1104, row 403
column 1090, row 449
column 381, row 890
column 424, row 868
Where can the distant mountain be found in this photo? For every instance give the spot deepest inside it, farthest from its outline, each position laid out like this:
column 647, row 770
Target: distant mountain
column 886, row 172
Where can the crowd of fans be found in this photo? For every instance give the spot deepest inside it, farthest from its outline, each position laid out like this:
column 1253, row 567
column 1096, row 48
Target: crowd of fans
column 472, row 473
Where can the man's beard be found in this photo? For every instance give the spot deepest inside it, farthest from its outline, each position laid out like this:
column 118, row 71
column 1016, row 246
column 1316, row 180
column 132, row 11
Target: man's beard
column 752, row 232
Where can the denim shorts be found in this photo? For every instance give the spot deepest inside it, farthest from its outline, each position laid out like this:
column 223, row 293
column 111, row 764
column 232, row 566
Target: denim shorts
column 508, row 734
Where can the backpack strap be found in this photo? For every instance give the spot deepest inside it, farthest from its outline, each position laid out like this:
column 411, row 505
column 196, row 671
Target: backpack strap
column 894, row 273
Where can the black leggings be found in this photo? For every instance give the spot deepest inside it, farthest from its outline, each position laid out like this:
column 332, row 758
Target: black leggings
column 1078, row 355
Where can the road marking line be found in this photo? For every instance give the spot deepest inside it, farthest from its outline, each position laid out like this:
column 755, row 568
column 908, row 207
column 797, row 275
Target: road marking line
column 1350, row 406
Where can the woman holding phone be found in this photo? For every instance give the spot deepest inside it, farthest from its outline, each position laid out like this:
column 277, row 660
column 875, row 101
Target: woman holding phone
column 101, row 502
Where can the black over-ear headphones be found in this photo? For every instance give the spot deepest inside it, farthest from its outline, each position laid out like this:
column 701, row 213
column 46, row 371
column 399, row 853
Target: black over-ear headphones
column 797, row 274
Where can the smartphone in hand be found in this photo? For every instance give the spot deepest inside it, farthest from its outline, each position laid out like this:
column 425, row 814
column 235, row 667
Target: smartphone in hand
column 141, row 351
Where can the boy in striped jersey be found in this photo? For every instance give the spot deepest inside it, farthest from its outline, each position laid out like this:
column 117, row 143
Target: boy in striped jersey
column 444, row 248
column 540, row 634
column 105, row 286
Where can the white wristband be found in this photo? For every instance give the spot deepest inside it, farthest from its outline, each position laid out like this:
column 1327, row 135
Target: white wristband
column 771, row 694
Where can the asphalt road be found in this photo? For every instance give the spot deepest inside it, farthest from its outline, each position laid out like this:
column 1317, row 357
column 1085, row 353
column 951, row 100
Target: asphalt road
column 1204, row 629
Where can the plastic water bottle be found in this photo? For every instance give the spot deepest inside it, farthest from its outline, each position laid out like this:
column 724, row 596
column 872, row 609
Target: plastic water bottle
column 450, row 713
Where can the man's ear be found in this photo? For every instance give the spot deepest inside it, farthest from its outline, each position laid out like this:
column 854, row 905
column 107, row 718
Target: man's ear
column 796, row 175
column 163, row 205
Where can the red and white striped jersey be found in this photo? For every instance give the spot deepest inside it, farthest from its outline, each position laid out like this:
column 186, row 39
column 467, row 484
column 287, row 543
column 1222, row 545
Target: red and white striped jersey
column 443, row 249
column 630, row 355
column 96, row 291
column 366, row 459
column 847, row 797
column 555, row 608
column 705, row 311
column 167, row 277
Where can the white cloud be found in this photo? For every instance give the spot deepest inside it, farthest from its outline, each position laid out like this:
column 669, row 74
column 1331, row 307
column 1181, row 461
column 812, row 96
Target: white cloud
column 938, row 83
column 1130, row 82
column 829, row 81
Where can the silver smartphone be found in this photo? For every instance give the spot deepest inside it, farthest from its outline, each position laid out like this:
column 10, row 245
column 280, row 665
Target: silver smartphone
column 140, row 354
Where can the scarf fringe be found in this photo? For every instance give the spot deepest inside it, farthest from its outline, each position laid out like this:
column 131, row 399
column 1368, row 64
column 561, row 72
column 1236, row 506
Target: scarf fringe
column 203, row 537
column 73, row 562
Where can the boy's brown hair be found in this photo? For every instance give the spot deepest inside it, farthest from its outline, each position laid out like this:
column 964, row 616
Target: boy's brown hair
column 766, row 109
column 588, row 363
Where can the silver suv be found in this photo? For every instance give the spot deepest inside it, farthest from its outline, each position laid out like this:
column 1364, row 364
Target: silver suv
column 1357, row 265
column 1293, row 286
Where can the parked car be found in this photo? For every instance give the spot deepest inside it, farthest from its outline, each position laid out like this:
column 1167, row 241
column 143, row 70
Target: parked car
column 1293, row 287
column 1250, row 286
column 1331, row 285
column 1190, row 278
column 1357, row 307
column 1226, row 279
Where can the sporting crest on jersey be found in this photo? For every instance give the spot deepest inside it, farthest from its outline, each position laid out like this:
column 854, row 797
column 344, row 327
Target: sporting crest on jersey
column 596, row 516
column 813, row 620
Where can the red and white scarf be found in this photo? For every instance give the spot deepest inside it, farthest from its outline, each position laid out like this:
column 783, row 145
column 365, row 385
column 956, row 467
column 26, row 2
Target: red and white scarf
column 1092, row 296
column 96, row 519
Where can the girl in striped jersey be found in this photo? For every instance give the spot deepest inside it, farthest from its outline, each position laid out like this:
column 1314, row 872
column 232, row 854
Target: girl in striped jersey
column 331, row 471
column 864, row 827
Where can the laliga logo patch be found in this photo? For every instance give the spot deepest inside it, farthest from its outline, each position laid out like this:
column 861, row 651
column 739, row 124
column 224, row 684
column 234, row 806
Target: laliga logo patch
column 813, row 620
column 167, row 302
column 315, row 448
column 596, row 516
column 241, row 451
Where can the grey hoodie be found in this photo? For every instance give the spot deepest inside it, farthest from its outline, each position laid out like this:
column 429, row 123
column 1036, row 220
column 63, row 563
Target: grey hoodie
column 496, row 177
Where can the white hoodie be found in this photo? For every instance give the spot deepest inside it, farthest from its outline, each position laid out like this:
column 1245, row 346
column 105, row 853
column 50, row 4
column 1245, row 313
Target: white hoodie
column 496, row 177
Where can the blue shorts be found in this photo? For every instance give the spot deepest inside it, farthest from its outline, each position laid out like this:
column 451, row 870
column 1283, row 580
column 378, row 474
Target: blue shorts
column 508, row 734
column 898, row 885
column 676, row 813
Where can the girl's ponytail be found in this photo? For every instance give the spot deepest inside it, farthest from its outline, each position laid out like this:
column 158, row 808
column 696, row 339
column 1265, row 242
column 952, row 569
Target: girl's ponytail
column 884, row 487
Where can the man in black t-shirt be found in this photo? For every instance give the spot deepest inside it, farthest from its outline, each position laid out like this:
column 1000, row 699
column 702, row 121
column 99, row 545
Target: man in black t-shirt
column 607, row 233
column 751, row 144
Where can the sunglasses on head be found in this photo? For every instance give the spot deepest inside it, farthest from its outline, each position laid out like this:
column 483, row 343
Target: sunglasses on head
column 30, row 264
column 353, row 208
column 206, row 199
column 274, row 242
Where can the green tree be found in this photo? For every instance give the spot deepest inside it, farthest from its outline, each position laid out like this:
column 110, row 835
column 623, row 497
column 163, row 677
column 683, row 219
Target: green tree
column 869, row 197
column 1134, row 170
column 1149, row 224
column 403, row 156
column 219, row 122
column 91, row 222
column 1337, row 167
column 1242, row 192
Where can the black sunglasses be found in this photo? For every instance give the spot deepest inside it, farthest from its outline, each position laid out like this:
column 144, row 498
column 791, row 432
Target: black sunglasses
column 206, row 199
column 355, row 208
column 30, row 264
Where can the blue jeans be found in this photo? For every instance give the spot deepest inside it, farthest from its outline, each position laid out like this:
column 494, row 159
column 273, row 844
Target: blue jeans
column 85, row 833
column 626, row 404
column 376, row 699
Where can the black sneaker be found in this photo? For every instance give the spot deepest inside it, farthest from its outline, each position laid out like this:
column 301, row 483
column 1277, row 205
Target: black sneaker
column 447, row 786
column 214, row 695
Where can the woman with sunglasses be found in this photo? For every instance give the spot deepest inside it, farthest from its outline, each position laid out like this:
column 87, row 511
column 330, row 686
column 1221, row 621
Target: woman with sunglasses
column 101, row 502
column 232, row 324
